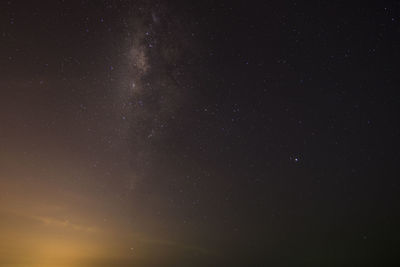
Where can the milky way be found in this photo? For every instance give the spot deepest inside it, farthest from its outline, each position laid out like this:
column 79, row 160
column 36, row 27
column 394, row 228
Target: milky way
column 208, row 133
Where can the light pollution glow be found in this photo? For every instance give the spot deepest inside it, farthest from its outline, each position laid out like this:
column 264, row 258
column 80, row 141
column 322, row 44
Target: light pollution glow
column 44, row 226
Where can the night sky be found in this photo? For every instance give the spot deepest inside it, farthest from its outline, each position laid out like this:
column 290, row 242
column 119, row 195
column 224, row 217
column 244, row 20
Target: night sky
column 199, row 133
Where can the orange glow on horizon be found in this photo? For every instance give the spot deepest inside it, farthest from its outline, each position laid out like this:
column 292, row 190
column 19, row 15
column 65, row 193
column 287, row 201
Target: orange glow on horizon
column 40, row 228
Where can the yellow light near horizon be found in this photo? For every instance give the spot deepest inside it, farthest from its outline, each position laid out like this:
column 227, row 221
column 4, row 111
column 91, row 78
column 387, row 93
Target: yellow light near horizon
column 37, row 232
column 43, row 247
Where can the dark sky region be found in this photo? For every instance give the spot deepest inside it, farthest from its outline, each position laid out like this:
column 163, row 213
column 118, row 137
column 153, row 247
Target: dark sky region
column 199, row 133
